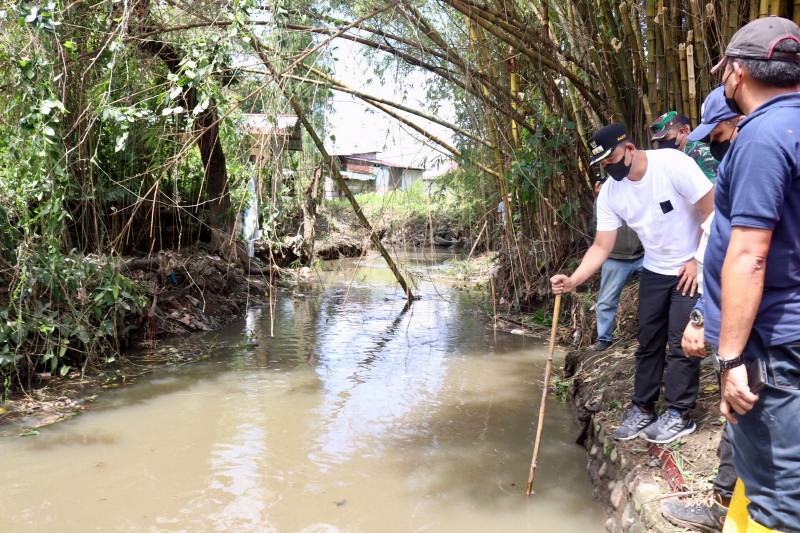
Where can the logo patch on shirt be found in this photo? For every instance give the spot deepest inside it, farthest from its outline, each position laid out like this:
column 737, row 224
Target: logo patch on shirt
column 666, row 206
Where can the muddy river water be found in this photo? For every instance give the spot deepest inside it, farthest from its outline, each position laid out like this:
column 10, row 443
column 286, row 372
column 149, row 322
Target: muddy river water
column 342, row 410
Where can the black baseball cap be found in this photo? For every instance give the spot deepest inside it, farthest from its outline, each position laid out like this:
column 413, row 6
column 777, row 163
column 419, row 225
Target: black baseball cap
column 605, row 140
column 757, row 40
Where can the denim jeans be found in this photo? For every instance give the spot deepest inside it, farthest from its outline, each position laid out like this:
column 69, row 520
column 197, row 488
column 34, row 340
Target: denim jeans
column 614, row 275
column 766, row 441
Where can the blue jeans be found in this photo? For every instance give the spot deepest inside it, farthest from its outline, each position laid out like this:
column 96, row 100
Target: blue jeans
column 766, row 441
column 613, row 277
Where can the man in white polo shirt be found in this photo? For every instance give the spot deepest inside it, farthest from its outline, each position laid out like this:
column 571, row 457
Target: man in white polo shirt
column 663, row 196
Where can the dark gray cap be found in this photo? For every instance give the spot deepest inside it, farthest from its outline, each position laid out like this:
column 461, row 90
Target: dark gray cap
column 757, row 40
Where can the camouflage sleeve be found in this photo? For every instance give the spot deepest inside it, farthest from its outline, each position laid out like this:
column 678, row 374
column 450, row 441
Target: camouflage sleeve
column 702, row 156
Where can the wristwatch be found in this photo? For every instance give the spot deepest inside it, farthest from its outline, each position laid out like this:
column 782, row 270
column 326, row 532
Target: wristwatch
column 696, row 317
column 721, row 365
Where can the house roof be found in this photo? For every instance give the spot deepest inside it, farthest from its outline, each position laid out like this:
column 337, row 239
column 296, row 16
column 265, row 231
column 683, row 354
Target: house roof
column 270, row 124
column 377, row 162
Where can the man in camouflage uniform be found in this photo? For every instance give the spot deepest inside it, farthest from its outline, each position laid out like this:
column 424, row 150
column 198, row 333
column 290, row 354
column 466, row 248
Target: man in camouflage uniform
column 671, row 130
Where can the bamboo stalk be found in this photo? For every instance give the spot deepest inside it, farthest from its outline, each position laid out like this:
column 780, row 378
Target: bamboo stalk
column 662, row 95
column 636, row 26
column 692, row 84
column 684, row 79
column 763, row 8
column 337, row 176
column 476, row 36
column 605, row 80
column 699, row 48
column 796, row 12
column 652, row 91
column 673, row 74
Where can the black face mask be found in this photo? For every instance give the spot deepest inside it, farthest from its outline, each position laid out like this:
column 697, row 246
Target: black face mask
column 719, row 149
column 668, row 143
column 619, row 170
column 732, row 105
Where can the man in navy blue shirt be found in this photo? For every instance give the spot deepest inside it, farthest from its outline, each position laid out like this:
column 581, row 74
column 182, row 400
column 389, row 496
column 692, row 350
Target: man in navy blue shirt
column 752, row 268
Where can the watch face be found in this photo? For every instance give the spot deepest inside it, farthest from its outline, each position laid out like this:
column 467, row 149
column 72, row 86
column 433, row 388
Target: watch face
column 716, row 362
column 696, row 317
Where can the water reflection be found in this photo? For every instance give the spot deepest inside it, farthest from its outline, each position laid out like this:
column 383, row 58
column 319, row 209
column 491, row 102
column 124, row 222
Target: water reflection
column 345, row 410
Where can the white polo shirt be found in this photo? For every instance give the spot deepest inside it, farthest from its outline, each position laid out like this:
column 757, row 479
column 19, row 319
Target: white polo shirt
column 659, row 208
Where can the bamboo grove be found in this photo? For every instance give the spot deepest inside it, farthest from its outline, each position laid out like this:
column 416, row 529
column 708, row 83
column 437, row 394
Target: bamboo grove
column 121, row 129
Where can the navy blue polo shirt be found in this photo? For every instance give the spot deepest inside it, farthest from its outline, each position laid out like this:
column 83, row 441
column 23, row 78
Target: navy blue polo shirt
column 758, row 186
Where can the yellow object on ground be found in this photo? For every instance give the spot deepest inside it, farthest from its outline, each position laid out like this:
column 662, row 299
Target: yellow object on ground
column 738, row 519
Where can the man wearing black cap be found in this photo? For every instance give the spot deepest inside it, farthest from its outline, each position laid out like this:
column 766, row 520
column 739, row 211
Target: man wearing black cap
column 663, row 196
column 752, row 270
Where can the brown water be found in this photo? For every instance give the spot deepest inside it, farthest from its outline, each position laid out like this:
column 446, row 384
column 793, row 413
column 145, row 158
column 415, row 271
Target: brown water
column 358, row 415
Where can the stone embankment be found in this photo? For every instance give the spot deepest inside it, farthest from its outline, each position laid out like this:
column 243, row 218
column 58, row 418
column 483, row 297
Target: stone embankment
column 632, row 478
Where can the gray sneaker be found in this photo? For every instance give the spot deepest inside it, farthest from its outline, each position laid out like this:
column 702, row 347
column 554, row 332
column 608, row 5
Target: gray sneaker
column 705, row 515
column 671, row 425
column 635, row 421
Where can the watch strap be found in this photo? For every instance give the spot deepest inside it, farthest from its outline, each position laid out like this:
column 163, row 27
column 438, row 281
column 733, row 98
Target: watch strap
column 727, row 364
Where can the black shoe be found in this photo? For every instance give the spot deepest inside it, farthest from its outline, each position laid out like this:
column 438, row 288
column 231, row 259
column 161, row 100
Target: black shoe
column 705, row 515
column 601, row 346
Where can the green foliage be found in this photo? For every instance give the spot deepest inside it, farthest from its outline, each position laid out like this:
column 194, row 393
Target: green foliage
column 561, row 388
column 62, row 310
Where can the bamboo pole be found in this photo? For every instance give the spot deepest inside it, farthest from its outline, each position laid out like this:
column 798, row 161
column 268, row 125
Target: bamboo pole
column 796, row 12
column 547, row 370
column 337, row 176
column 763, row 8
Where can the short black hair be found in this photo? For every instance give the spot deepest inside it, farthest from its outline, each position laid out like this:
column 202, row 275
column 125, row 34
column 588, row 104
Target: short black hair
column 782, row 74
column 683, row 120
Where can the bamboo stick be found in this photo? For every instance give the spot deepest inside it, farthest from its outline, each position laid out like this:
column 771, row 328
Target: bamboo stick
column 547, row 370
column 763, row 8
column 776, row 7
column 796, row 12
